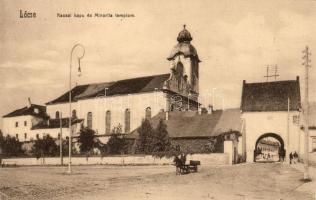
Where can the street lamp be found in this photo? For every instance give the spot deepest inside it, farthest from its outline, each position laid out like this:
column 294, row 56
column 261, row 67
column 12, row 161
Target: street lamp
column 213, row 98
column 70, row 66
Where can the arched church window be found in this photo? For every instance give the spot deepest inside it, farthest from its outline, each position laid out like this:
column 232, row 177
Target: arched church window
column 180, row 68
column 89, row 120
column 127, row 120
column 57, row 115
column 74, row 114
column 148, row 113
column 108, row 122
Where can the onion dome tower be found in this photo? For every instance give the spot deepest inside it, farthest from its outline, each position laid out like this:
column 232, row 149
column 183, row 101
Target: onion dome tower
column 185, row 53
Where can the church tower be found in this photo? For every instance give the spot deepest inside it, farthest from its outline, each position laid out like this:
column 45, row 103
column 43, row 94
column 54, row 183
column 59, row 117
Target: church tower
column 185, row 64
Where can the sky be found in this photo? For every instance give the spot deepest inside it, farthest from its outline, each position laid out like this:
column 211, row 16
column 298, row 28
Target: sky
column 235, row 40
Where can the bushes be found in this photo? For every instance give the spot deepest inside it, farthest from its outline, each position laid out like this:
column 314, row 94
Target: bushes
column 117, row 145
column 154, row 141
column 45, row 147
column 10, row 146
column 87, row 140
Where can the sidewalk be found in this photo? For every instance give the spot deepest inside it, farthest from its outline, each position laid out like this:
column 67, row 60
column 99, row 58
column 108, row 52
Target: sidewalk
column 300, row 167
column 306, row 187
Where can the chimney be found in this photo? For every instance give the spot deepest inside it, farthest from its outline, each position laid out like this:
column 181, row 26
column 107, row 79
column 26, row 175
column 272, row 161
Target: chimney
column 167, row 115
column 29, row 103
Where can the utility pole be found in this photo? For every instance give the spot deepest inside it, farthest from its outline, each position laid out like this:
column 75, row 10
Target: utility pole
column 189, row 101
column 213, row 98
column 61, row 140
column 288, row 126
column 275, row 75
column 307, row 65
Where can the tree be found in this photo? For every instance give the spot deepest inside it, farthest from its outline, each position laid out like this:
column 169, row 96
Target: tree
column 145, row 139
column 160, row 140
column 86, row 140
column 2, row 142
column 10, row 146
column 45, row 147
column 116, row 145
column 65, row 147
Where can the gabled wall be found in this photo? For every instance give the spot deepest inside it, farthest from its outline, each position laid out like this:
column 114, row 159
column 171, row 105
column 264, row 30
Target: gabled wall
column 259, row 123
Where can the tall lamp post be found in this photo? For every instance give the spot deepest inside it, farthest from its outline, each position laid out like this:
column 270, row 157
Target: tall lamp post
column 70, row 112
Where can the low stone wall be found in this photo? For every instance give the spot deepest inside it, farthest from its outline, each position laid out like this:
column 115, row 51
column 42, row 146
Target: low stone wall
column 206, row 159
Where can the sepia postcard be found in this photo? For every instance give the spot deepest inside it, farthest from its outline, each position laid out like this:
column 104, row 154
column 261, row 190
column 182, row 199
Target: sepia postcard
column 158, row 99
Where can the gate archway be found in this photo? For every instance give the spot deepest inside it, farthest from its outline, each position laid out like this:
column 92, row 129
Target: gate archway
column 267, row 150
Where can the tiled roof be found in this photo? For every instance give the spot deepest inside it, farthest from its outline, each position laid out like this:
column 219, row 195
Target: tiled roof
column 128, row 86
column 189, row 124
column 183, row 48
column 55, row 123
column 33, row 110
column 271, row 96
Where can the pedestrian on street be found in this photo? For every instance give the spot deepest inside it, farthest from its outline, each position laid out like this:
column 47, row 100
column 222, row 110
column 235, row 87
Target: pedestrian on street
column 295, row 156
column 291, row 157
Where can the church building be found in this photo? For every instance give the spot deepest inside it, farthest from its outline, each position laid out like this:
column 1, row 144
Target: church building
column 125, row 103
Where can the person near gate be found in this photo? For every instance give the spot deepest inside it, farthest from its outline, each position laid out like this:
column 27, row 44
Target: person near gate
column 291, row 157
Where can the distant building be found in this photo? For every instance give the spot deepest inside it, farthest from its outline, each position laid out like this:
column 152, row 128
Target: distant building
column 32, row 122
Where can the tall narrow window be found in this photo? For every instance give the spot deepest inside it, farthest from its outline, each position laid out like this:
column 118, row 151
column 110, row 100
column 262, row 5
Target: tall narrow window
column 25, row 135
column 89, row 120
column 37, row 136
column 57, row 115
column 127, row 120
column 148, row 113
column 16, row 124
column 25, row 123
column 74, row 114
column 108, row 122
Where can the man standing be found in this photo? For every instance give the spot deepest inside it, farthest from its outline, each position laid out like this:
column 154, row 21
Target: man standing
column 291, row 157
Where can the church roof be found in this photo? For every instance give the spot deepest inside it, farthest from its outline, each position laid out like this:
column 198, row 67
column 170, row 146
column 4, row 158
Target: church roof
column 33, row 110
column 184, row 47
column 184, row 35
column 189, row 124
column 127, row 86
column 271, row 96
column 55, row 123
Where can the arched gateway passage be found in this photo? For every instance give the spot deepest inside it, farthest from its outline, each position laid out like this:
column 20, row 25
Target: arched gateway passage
column 269, row 148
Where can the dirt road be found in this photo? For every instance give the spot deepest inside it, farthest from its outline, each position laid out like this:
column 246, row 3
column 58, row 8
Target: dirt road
column 248, row 181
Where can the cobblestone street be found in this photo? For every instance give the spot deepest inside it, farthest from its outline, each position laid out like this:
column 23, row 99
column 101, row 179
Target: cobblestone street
column 246, row 181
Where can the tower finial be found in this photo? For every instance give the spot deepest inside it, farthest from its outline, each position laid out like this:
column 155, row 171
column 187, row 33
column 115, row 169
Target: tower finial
column 184, row 25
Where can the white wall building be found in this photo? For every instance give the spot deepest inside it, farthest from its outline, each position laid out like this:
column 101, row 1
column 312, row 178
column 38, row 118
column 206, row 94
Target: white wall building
column 311, row 132
column 125, row 103
column 31, row 122
column 271, row 109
